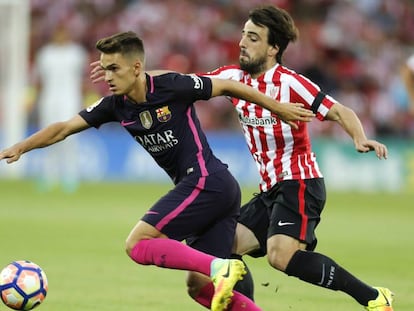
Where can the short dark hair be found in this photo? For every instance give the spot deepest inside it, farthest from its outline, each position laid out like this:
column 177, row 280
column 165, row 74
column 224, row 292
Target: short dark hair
column 123, row 42
column 281, row 26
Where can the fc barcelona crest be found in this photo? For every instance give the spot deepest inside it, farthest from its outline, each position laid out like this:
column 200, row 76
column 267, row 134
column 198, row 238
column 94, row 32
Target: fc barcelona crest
column 146, row 119
column 163, row 114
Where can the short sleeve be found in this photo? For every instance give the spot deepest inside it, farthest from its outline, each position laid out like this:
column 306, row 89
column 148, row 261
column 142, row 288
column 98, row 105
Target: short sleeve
column 193, row 86
column 100, row 112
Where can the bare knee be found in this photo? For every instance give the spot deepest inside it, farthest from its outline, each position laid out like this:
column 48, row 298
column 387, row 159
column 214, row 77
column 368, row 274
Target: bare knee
column 280, row 249
column 277, row 258
column 130, row 244
column 141, row 231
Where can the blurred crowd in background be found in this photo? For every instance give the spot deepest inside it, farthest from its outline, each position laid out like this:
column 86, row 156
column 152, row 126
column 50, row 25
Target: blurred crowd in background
column 353, row 49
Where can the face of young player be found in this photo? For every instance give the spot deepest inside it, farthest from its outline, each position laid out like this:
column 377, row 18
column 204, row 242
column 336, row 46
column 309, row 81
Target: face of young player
column 256, row 55
column 121, row 73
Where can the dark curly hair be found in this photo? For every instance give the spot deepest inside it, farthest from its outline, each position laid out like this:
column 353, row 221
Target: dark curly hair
column 282, row 29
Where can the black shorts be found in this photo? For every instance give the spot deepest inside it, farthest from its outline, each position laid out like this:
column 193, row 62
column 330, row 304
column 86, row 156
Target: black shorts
column 292, row 207
column 202, row 210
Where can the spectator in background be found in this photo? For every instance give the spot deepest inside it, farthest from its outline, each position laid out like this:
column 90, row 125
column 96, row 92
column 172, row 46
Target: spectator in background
column 356, row 38
column 407, row 74
column 59, row 73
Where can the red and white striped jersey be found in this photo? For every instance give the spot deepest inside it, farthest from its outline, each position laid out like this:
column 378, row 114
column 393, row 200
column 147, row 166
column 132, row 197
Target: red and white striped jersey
column 280, row 152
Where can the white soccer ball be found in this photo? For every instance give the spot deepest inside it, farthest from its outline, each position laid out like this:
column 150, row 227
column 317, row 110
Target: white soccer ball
column 23, row 285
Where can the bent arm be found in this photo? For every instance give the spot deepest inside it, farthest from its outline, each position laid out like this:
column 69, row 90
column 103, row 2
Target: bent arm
column 47, row 136
column 286, row 112
column 352, row 125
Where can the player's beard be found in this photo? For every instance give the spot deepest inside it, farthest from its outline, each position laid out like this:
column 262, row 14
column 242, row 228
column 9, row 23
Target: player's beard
column 253, row 67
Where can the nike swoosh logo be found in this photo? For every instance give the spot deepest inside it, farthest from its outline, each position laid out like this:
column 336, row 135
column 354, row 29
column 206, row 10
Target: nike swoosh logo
column 282, row 223
column 323, row 275
column 226, row 275
column 151, row 213
column 388, row 304
column 126, row 123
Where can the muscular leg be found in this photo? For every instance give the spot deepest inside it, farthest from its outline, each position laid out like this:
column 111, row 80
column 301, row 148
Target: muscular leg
column 288, row 255
column 246, row 285
column 147, row 246
column 244, row 242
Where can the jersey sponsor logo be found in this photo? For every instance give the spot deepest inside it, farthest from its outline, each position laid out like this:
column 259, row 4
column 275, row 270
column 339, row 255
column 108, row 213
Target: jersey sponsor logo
column 91, row 107
column 198, row 82
column 254, row 121
column 127, row 123
column 163, row 114
column 284, row 223
column 157, row 142
column 146, row 119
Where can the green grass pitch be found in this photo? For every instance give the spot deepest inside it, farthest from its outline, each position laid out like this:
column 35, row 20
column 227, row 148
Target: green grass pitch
column 78, row 239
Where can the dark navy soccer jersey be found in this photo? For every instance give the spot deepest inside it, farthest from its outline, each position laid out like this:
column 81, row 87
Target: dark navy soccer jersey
column 166, row 124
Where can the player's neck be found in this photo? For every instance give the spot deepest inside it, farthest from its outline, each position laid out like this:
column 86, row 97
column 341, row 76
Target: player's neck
column 139, row 92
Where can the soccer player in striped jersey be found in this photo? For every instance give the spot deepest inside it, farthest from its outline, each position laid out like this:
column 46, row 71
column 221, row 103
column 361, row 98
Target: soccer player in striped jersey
column 281, row 220
column 158, row 112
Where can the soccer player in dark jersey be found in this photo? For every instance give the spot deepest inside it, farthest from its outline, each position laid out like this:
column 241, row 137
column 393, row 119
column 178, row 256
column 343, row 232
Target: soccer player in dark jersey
column 282, row 219
column 158, row 113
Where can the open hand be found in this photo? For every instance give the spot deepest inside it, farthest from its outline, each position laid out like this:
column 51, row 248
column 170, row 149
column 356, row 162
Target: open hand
column 97, row 74
column 372, row 145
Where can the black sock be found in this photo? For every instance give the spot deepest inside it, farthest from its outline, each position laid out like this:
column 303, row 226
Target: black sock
column 245, row 286
column 322, row 271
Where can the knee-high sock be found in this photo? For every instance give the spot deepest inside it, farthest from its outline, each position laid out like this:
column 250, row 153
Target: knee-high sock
column 239, row 302
column 167, row 253
column 246, row 285
column 205, row 295
column 322, row 271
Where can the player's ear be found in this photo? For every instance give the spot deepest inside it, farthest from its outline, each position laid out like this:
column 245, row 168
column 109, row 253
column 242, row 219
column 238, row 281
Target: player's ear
column 273, row 50
column 138, row 67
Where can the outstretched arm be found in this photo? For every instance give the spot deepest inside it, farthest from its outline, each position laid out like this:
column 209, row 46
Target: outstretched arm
column 286, row 112
column 45, row 137
column 350, row 122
